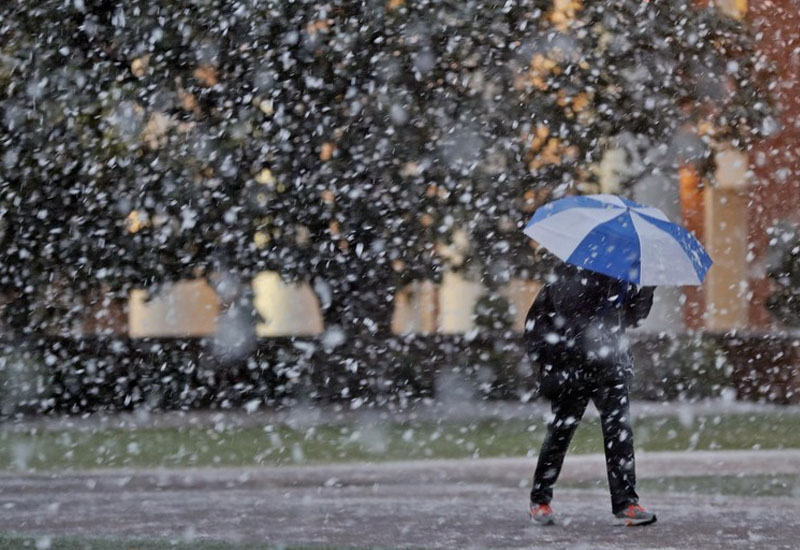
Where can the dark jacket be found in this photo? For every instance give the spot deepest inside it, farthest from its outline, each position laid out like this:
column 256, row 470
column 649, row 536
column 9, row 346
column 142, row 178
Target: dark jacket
column 576, row 325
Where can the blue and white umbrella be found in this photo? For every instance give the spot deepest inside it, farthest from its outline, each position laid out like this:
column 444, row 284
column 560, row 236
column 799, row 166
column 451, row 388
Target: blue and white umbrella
column 619, row 238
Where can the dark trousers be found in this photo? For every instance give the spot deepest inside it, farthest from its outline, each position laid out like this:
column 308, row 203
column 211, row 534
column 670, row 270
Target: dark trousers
column 611, row 399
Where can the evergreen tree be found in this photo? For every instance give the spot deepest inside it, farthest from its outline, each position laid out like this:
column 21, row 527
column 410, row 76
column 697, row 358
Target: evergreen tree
column 354, row 145
column 784, row 302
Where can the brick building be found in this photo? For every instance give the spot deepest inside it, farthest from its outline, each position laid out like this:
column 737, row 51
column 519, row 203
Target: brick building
column 752, row 192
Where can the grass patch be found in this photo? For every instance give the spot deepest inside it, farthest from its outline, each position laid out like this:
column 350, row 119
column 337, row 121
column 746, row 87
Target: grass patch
column 749, row 486
column 276, row 445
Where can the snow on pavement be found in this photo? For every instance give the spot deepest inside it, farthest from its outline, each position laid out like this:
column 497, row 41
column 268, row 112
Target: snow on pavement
column 421, row 504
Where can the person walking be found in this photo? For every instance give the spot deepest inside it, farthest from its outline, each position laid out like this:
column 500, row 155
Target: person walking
column 575, row 333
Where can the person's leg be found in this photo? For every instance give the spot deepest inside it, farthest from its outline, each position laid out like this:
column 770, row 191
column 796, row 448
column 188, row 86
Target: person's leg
column 568, row 409
column 611, row 399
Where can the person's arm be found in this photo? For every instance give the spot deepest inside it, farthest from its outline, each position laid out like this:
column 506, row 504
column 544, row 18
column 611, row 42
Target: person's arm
column 638, row 305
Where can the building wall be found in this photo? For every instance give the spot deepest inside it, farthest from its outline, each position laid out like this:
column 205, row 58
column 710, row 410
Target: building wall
column 192, row 308
column 457, row 298
column 186, row 308
column 521, row 294
column 416, row 309
column 775, row 194
column 733, row 220
column 285, row 310
column 424, row 307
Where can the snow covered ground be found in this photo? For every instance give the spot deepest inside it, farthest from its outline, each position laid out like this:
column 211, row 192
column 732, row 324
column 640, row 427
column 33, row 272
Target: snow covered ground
column 425, row 504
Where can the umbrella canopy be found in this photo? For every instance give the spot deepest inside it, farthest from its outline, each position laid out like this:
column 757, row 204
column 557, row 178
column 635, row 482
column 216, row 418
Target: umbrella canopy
column 619, row 238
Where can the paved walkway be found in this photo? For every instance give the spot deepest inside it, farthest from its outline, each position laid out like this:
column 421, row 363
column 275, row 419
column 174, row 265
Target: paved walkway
column 444, row 504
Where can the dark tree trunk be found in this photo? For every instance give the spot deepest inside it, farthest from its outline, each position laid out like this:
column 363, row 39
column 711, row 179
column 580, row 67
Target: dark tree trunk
column 355, row 356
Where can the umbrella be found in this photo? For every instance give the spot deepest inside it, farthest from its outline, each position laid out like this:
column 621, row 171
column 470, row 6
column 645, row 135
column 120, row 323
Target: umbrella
column 619, row 238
